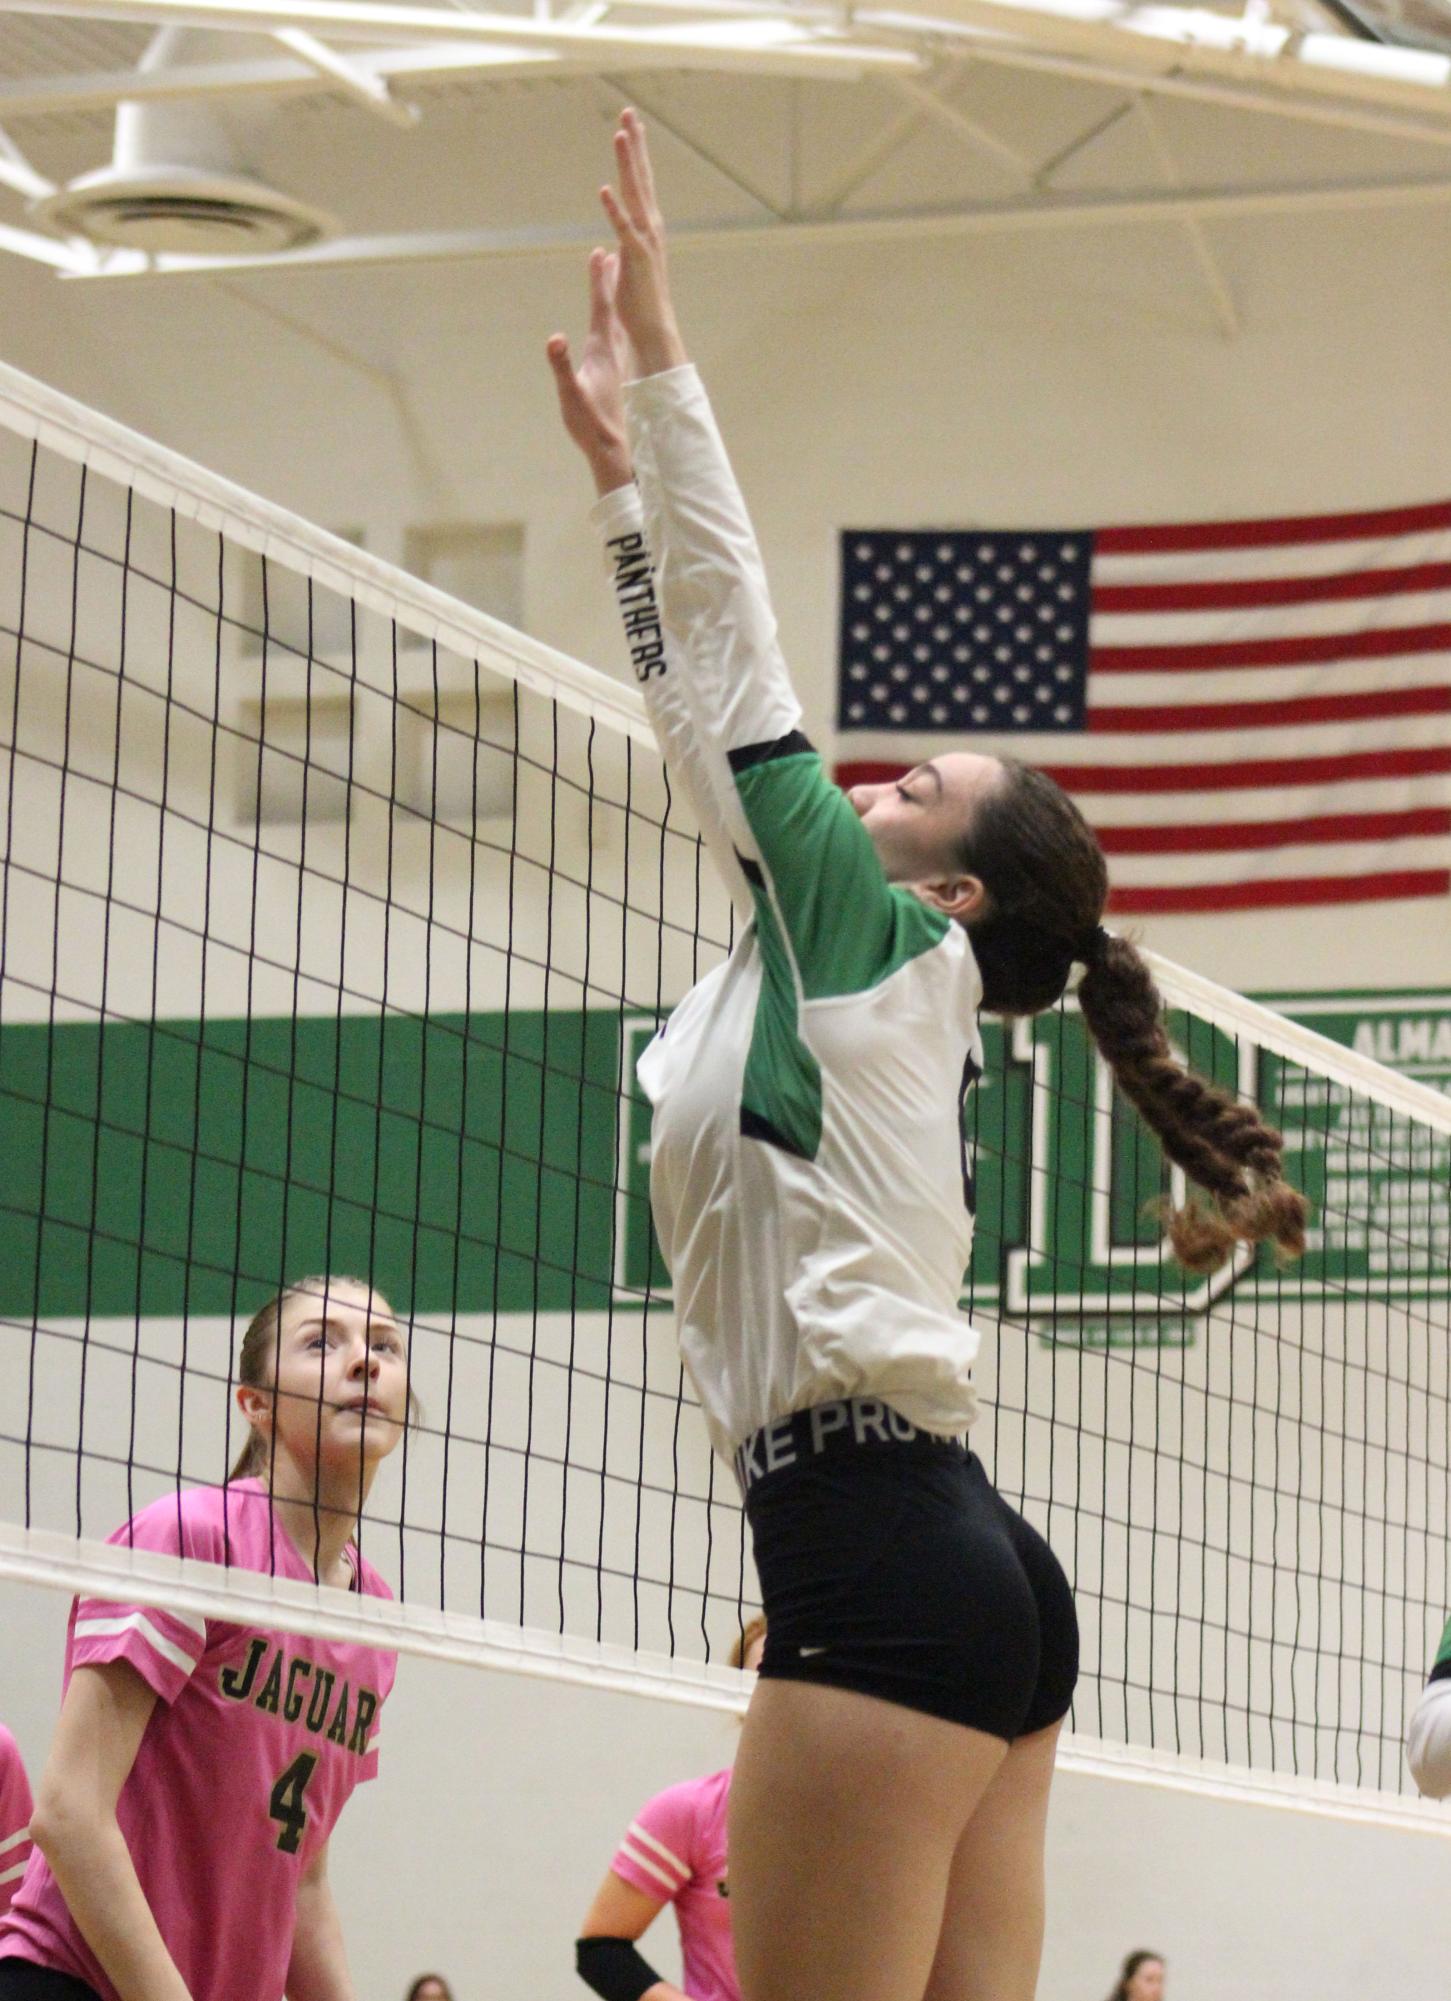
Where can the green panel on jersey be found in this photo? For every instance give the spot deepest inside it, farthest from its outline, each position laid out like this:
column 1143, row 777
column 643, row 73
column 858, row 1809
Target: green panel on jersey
column 848, row 928
column 1443, row 1652
column 782, row 1082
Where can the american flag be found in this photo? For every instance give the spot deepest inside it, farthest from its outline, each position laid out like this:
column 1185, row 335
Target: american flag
column 1250, row 713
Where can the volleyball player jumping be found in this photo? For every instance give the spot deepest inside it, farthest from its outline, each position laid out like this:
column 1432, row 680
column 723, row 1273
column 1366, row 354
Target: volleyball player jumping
column 812, row 1193
column 181, row 1823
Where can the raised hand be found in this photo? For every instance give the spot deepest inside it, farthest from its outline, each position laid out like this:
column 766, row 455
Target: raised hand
column 643, row 294
column 591, row 399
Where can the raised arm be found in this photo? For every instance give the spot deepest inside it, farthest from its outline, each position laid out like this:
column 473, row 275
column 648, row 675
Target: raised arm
column 591, row 403
column 814, row 871
column 712, row 581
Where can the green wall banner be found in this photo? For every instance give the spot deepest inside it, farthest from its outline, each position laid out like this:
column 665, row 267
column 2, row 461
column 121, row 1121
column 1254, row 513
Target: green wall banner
column 496, row 1162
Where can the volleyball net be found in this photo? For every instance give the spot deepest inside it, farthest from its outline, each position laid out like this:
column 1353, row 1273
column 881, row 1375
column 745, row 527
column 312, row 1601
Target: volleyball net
column 333, row 916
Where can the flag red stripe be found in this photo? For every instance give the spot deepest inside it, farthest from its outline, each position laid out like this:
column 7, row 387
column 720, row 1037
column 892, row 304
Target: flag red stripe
column 1302, row 651
column 1248, row 773
column 1253, row 715
column 1166, row 537
column 1278, row 894
column 1250, row 593
column 1234, row 834
column 1242, row 774
column 867, row 771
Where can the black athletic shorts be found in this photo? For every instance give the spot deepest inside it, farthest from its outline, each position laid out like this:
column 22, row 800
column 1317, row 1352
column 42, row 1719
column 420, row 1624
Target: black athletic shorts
column 889, row 1564
column 23, row 1980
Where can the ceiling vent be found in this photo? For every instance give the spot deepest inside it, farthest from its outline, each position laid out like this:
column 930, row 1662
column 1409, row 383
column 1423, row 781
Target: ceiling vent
column 180, row 182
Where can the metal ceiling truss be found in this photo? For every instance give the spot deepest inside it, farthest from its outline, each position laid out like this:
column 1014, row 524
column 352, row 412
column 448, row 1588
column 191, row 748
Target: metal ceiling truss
column 910, row 68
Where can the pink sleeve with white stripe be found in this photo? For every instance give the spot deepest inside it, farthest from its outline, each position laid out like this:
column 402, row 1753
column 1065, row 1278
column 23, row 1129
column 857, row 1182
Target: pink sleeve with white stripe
column 163, row 1646
column 658, row 1851
column 14, row 1819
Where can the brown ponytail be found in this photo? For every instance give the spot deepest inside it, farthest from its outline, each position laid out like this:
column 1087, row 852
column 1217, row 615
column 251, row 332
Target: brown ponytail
column 1222, row 1144
column 1047, row 885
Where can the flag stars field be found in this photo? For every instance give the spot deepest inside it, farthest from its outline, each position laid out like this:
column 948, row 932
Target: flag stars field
column 1251, row 714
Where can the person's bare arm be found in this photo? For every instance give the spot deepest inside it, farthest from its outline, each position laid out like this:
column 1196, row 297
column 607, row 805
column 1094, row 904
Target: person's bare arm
column 318, row 1969
column 102, row 1721
column 621, row 1911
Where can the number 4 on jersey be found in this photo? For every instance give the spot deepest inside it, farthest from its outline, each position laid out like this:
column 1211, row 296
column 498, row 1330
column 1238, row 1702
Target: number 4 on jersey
column 286, row 1807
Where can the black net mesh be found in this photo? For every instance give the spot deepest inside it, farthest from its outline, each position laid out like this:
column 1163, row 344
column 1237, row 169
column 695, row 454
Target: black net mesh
column 325, row 948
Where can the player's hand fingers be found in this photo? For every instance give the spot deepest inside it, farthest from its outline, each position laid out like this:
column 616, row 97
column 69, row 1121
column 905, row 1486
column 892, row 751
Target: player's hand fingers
column 620, row 222
column 601, row 292
column 632, row 188
column 565, row 380
column 640, row 150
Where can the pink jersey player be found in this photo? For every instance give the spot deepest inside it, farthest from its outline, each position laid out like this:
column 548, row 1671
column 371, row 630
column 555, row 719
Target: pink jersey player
column 222, row 1754
column 14, row 1819
column 674, row 1852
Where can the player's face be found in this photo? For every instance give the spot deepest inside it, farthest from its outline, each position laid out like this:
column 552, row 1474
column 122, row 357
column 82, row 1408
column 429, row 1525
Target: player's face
column 918, row 823
column 342, row 1376
column 1147, row 1982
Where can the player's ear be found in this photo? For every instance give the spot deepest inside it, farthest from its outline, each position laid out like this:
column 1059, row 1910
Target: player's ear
column 255, row 1404
column 960, row 897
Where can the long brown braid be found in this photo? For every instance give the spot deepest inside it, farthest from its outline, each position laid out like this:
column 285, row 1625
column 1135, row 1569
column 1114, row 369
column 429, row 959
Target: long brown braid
column 1047, row 885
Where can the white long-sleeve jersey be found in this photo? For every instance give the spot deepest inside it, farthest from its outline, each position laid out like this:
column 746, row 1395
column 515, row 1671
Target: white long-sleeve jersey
column 810, row 1179
column 1428, row 1741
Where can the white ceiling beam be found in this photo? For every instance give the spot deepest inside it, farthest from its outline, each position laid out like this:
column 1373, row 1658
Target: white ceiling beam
column 72, row 258
column 16, row 172
column 1055, row 163
column 102, row 90
column 697, row 147
column 1148, row 40
column 733, row 44
column 1224, row 307
column 1086, row 211
column 977, row 137
column 1266, row 101
column 888, row 140
column 357, row 84
column 35, row 97
column 1149, row 37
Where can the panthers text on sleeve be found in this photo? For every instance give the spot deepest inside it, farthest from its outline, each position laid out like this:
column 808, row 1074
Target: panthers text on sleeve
column 249, row 1756
column 810, row 1181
